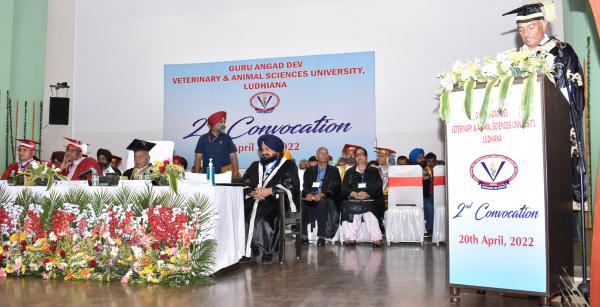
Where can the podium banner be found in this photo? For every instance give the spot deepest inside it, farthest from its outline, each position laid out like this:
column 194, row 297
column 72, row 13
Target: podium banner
column 495, row 182
column 308, row 101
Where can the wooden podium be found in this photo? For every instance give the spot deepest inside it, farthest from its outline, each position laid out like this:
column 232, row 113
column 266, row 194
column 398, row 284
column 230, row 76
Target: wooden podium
column 509, row 217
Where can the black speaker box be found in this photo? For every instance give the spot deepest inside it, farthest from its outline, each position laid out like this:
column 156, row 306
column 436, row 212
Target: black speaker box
column 59, row 111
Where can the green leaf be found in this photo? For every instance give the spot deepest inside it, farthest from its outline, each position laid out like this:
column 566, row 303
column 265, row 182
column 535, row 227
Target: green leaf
column 468, row 87
column 485, row 106
column 526, row 98
column 445, row 106
column 505, row 85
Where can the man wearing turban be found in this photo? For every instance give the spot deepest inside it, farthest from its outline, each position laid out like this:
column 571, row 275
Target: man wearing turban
column 218, row 146
column 272, row 173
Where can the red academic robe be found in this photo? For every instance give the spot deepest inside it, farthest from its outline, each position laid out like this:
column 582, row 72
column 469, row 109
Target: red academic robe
column 81, row 166
column 15, row 166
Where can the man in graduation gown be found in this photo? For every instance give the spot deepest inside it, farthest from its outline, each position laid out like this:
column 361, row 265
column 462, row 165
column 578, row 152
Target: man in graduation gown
column 348, row 153
column 26, row 151
column 263, row 179
column 218, row 146
column 532, row 24
column 75, row 165
column 320, row 197
column 141, row 159
column 362, row 199
column 104, row 160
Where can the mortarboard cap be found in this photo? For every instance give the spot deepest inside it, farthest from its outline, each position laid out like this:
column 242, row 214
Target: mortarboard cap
column 537, row 11
column 77, row 145
column 385, row 151
column 140, row 145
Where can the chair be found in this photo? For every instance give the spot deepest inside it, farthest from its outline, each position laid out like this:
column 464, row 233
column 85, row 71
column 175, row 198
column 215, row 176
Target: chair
column 404, row 219
column 439, row 204
column 289, row 218
column 162, row 151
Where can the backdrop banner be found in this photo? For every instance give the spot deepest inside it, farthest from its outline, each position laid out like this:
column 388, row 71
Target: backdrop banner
column 308, row 101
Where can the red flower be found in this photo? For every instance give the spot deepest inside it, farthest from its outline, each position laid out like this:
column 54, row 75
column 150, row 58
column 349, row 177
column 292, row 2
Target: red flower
column 166, row 226
column 33, row 225
column 163, row 257
column 166, row 162
column 62, row 253
column 46, row 260
column 97, row 249
column 162, row 169
column 92, row 263
column 1, row 258
column 23, row 245
column 155, row 245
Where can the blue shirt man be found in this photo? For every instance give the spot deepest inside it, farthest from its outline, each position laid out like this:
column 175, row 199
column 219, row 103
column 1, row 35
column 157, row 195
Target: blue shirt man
column 218, row 146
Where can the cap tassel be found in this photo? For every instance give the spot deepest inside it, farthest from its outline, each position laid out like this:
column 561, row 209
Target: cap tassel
column 549, row 10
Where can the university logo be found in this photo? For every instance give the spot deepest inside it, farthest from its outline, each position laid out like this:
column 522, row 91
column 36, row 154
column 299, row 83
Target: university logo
column 494, row 172
column 264, row 102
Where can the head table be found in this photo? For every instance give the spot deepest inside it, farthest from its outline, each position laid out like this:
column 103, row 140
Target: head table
column 227, row 204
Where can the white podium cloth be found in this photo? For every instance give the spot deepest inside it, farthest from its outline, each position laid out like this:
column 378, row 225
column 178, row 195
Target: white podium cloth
column 228, row 224
column 404, row 219
column 439, row 204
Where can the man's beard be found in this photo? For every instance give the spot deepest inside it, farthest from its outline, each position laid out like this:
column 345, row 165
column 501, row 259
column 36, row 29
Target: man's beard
column 103, row 165
column 351, row 161
column 220, row 128
column 268, row 159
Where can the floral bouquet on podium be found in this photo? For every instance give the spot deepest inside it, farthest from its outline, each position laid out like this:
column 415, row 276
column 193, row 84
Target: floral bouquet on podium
column 496, row 73
column 40, row 173
column 167, row 172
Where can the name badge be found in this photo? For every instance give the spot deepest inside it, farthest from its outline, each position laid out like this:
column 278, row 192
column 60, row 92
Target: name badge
column 316, row 184
column 362, row 185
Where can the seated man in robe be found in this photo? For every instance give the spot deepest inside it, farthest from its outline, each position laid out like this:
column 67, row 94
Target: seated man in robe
column 26, row 151
column 263, row 179
column 75, row 165
column 320, row 195
column 141, row 160
column 104, row 160
column 362, row 198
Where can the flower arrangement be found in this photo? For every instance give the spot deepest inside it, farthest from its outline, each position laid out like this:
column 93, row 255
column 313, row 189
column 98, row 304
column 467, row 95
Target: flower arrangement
column 165, row 170
column 42, row 172
column 496, row 73
column 130, row 237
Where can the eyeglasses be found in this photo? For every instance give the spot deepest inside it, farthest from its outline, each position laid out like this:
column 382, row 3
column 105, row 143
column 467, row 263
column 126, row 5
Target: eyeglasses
column 360, row 155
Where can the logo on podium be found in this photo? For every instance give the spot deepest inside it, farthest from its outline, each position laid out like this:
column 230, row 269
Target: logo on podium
column 494, row 172
column 264, row 102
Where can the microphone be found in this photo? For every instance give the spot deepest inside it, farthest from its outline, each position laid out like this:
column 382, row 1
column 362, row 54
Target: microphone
column 84, row 174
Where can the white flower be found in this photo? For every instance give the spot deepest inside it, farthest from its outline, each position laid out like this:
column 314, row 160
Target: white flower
column 35, row 165
column 52, row 236
column 446, row 82
column 489, row 69
column 550, row 61
column 137, row 252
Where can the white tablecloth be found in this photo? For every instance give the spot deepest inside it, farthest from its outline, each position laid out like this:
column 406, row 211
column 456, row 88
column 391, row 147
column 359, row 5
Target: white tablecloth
column 228, row 221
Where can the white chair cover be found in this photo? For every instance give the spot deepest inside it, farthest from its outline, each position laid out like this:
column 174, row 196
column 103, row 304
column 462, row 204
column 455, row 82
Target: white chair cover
column 405, row 223
column 223, row 178
column 162, row 151
column 439, row 204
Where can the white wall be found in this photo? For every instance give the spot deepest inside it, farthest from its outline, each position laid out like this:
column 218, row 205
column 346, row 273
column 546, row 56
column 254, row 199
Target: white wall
column 121, row 47
column 60, row 46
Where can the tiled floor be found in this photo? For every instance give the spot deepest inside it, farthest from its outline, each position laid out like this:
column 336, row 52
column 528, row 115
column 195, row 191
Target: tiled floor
column 400, row 275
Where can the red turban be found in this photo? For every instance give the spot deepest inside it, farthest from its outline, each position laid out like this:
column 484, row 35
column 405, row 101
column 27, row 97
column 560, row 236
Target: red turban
column 216, row 117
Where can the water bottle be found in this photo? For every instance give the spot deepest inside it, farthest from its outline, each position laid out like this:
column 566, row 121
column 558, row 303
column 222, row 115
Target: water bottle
column 95, row 178
column 147, row 176
column 210, row 172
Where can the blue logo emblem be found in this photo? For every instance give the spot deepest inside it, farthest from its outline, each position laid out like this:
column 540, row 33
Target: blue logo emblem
column 264, row 102
column 494, row 172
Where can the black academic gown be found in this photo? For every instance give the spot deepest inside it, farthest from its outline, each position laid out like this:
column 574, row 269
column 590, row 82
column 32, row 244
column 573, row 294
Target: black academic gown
column 567, row 62
column 372, row 178
column 129, row 174
column 325, row 212
column 266, row 233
